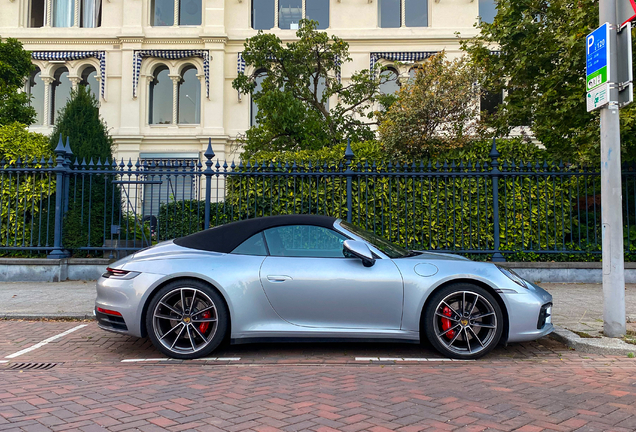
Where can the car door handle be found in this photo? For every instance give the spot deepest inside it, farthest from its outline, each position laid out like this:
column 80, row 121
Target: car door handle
column 278, row 278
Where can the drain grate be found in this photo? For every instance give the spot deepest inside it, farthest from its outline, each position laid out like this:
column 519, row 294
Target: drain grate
column 32, row 366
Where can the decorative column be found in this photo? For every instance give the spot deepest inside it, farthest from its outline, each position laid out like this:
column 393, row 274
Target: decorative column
column 402, row 13
column 47, row 100
column 49, row 14
column 175, row 23
column 175, row 97
column 76, row 15
column 75, row 80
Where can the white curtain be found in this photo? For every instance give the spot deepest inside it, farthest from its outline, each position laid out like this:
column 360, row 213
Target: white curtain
column 63, row 13
column 90, row 12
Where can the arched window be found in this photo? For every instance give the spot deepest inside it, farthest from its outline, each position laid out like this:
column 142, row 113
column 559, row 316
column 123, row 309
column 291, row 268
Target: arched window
column 60, row 92
column 36, row 89
column 187, row 12
column 322, row 85
column 391, row 85
column 259, row 77
column 189, row 97
column 160, row 101
column 89, row 78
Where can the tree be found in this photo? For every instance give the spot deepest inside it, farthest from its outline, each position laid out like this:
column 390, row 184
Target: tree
column 15, row 68
column 535, row 50
column 436, row 111
column 293, row 108
column 93, row 195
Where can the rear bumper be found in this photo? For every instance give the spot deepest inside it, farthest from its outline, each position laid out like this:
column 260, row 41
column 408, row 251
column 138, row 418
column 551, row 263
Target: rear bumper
column 126, row 296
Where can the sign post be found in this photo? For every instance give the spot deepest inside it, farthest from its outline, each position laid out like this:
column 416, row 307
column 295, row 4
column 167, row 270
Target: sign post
column 603, row 85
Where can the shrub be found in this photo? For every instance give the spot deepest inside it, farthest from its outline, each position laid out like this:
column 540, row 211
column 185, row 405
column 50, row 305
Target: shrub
column 180, row 218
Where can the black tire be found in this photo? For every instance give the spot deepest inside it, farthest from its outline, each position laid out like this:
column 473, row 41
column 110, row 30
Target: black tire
column 465, row 337
column 191, row 332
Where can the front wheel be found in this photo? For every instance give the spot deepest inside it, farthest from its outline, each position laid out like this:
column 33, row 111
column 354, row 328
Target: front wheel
column 187, row 319
column 463, row 321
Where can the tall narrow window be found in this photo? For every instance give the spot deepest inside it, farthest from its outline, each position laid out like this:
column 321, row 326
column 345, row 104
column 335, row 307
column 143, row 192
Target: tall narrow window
column 489, row 101
column 190, row 12
column 36, row 90
column 487, row 10
column 389, row 13
column 162, row 12
column 38, row 12
column 259, row 77
column 189, row 97
column 290, row 12
column 91, row 13
column 160, row 97
column 60, row 92
column 318, row 10
column 89, row 78
column 263, row 12
column 415, row 13
column 63, row 13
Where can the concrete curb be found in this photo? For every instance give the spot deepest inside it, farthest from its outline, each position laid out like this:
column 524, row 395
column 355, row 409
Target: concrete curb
column 602, row 345
column 61, row 316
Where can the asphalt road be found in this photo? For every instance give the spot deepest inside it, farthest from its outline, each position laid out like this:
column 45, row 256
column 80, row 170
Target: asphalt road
column 103, row 381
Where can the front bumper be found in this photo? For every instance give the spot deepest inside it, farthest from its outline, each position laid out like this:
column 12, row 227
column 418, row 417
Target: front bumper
column 126, row 296
column 529, row 312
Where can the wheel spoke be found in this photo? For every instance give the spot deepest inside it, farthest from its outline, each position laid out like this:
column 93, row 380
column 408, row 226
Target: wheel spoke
column 199, row 333
column 482, row 316
column 455, row 338
column 204, row 320
column 191, row 338
column 169, row 331
column 177, row 338
column 167, row 317
column 171, row 308
column 447, row 317
column 476, row 337
column 192, row 302
column 203, row 310
column 183, row 305
column 463, row 302
column 452, row 310
column 488, row 326
column 446, row 331
column 472, row 309
column 467, row 339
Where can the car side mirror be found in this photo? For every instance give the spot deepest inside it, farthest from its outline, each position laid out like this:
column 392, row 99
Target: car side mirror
column 359, row 250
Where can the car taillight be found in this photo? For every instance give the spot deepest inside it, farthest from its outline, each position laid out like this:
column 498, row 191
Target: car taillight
column 114, row 272
column 108, row 311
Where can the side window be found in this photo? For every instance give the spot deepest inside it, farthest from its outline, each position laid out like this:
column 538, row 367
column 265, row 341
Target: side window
column 252, row 246
column 304, row 241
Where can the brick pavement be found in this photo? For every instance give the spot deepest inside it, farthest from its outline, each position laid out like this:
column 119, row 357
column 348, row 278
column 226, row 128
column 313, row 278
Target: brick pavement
column 530, row 387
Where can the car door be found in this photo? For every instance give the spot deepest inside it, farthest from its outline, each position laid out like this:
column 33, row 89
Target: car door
column 309, row 282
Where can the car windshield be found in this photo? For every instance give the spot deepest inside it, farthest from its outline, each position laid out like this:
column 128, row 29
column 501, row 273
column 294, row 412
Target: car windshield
column 389, row 249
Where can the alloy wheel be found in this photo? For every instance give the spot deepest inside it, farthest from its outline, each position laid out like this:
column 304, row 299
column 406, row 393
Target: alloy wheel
column 465, row 322
column 185, row 320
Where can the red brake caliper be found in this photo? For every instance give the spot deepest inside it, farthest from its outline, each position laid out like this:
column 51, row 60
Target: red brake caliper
column 203, row 327
column 446, row 323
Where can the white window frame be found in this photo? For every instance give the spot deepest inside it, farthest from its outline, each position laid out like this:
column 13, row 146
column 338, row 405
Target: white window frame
column 175, row 20
column 48, row 14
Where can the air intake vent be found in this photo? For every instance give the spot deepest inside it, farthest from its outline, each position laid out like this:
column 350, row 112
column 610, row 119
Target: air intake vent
column 32, row 366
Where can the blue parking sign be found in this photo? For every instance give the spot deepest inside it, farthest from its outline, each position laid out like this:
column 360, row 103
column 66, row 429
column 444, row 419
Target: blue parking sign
column 597, row 56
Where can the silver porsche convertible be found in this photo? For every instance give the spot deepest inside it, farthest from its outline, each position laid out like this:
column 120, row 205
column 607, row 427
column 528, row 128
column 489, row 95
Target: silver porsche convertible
column 314, row 277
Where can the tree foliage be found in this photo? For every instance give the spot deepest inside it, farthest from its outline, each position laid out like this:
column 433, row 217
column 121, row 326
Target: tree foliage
column 293, row 112
column 91, row 199
column 535, row 50
column 436, row 111
column 15, row 68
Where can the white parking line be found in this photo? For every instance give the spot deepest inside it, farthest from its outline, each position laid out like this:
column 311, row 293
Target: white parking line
column 169, row 359
column 4, row 361
column 405, row 359
column 44, row 342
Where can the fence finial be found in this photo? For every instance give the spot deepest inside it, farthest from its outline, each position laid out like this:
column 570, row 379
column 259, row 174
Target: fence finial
column 209, row 153
column 348, row 152
column 494, row 154
column 69, row 153
column 60, row 146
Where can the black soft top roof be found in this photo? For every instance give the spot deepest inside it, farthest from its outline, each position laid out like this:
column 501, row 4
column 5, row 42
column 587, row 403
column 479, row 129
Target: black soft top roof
column 226, row 238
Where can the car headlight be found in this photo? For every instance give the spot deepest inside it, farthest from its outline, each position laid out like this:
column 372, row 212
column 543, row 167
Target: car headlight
column 513, row 276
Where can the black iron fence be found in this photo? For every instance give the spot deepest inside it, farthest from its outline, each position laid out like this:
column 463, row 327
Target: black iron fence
column 500, row 209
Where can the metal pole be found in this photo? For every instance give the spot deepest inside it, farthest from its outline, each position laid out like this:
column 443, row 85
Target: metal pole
column 349, row 173
column 209, row 154
column 611, row 199
column 60, row 159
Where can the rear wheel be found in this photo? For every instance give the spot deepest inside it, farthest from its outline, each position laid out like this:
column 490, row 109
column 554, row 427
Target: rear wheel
column 187, row 319
column 463, row 321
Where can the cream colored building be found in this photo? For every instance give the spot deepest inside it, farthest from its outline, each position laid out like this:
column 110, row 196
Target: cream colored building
column 163, row 68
